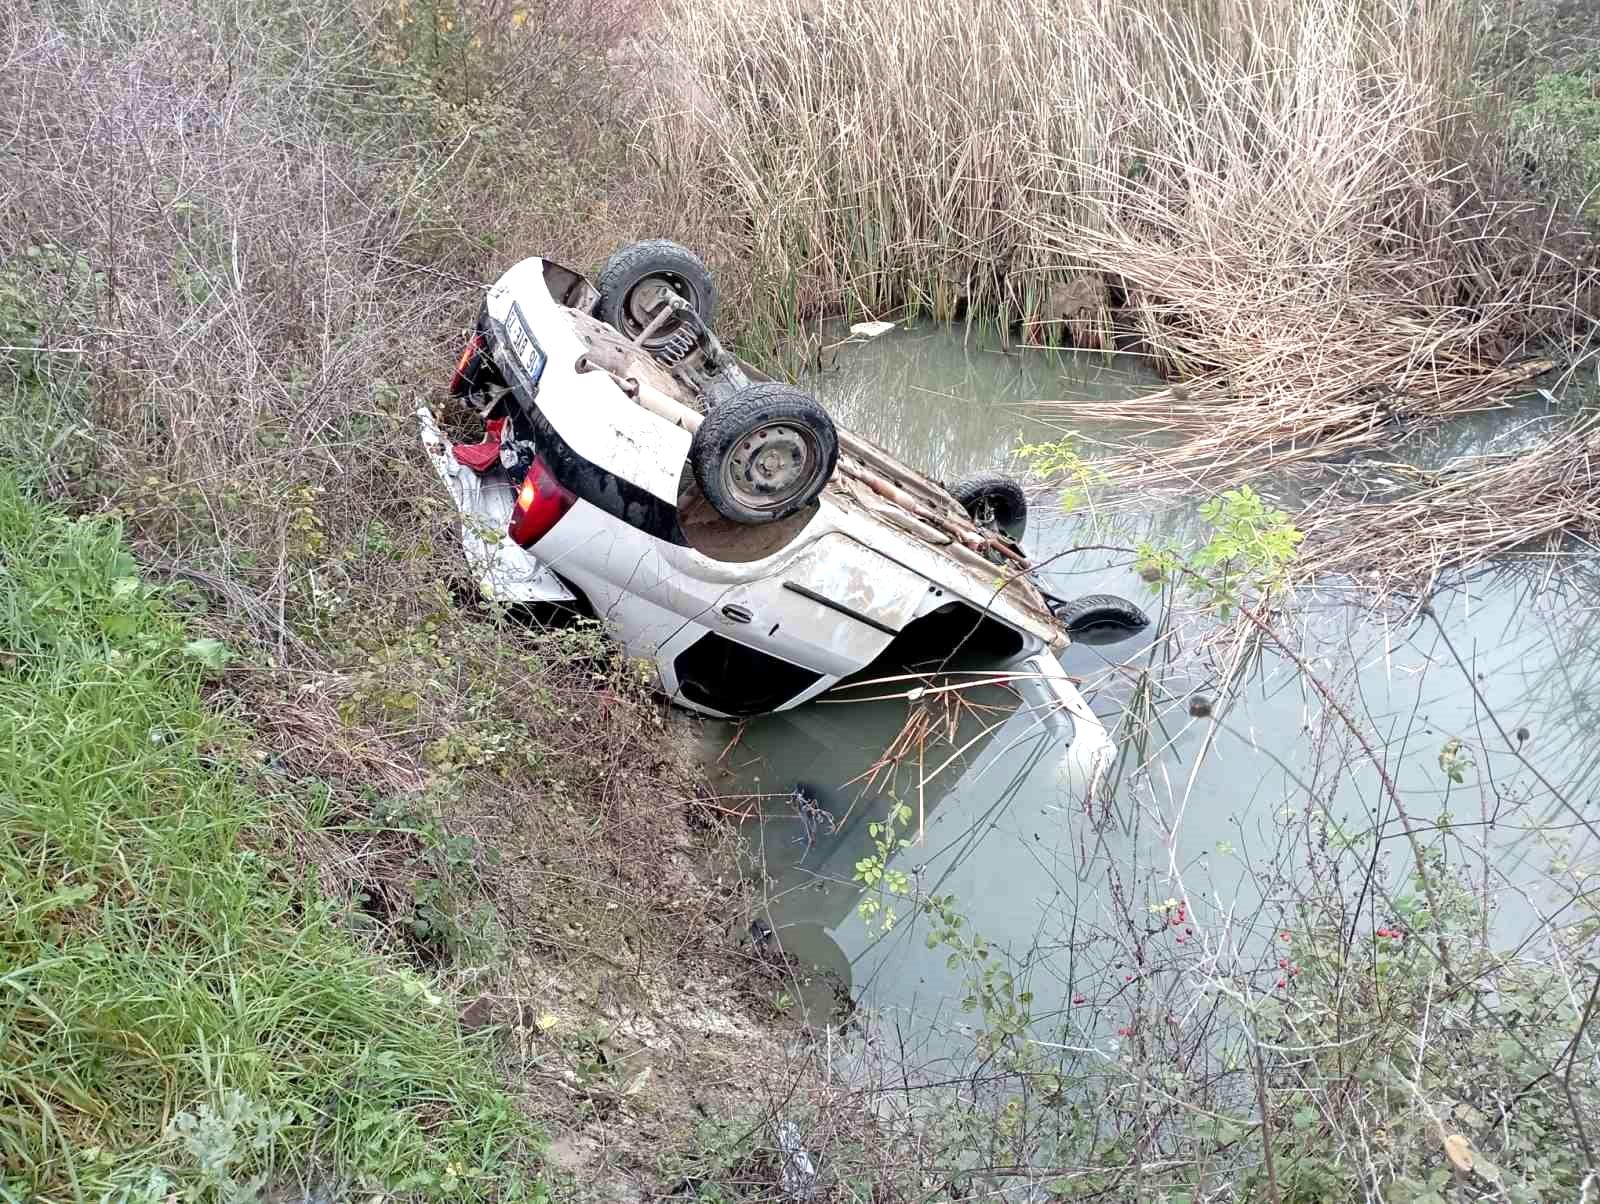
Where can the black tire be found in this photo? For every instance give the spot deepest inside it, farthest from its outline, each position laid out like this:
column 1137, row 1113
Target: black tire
column 1101, row 612
column 635, row 279
column 738, row 453
column 994, row 501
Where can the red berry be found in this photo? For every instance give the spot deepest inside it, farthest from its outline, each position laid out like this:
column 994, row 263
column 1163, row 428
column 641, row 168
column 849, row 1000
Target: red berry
column 1188, row 932
column 1281, row 984
column 1283, row 963
column 1284, row 935
column 1127, row 978
column 1077, row 999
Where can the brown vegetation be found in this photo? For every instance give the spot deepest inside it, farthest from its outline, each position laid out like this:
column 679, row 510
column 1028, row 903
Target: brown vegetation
column 1307, row 212
column 1436, row 525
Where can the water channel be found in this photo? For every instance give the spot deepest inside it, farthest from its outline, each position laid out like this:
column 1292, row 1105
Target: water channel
column 1044, row 875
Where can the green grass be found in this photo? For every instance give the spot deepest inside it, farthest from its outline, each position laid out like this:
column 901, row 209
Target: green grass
column 42, row 393
column 178, row 1015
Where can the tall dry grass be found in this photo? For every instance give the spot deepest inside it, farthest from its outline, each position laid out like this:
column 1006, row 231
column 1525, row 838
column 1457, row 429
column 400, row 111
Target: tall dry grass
column 1287, row 202
column 259, row 231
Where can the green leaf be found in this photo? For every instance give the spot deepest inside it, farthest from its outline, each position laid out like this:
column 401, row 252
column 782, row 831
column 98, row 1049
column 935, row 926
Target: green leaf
column 121, row 625
column 213, row 654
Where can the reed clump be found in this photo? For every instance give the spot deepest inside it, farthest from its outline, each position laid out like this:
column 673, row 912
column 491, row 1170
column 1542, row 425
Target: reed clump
column 1290, row 205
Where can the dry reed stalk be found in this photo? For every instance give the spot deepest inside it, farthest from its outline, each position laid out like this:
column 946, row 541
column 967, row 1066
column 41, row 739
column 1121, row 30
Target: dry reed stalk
column 1224, row 442
column 1462, row 517
column 1324, row 284
column 935, row 715
column 1295, row 205
column 905, row 154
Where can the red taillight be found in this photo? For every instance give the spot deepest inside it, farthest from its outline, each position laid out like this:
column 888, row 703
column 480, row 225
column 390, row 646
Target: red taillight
column 541, row 502
column 458, row 382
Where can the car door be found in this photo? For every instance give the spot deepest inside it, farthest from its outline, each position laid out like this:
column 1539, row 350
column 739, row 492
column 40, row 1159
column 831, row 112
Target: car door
column 833, row 608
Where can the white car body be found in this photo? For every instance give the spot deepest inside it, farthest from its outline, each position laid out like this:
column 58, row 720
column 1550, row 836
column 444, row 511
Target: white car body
column 823, row 606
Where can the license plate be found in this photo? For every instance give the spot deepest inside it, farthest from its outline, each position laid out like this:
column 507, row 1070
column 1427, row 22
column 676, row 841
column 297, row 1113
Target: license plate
column 523, row 345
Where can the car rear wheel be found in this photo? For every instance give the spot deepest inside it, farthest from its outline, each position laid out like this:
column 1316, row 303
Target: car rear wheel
column 1100, row 618
column 994, row 501
column 764, row 453
column 640, row 277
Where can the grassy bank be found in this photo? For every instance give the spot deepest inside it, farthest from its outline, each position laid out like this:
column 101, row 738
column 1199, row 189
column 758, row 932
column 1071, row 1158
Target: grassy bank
column 181, row 1011
column 241, row 244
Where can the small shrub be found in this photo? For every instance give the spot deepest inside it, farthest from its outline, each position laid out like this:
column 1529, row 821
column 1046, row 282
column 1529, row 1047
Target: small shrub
column 221, row 1140
column 1060, row 461
column 449, row 919
column 1560, row 128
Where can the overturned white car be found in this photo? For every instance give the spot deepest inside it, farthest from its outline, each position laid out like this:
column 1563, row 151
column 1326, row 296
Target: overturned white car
column 717, row 522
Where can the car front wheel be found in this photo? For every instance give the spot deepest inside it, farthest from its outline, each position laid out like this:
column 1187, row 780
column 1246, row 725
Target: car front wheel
column 764, row 453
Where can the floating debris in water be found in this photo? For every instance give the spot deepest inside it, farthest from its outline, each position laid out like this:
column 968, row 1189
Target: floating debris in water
column 871, row 330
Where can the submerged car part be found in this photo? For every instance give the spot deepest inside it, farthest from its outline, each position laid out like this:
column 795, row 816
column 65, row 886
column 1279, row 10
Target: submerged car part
column 995, row 502
column 1099, row 618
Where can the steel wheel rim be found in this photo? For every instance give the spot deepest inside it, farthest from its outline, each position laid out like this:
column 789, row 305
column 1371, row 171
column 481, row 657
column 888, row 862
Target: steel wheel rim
column 771, row 465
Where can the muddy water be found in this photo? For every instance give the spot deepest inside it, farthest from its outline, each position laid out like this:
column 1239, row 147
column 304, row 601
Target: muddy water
column 1221, row 799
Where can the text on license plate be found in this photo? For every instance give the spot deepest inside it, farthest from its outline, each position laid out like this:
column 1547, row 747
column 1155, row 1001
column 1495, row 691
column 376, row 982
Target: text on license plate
column 523, row 344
